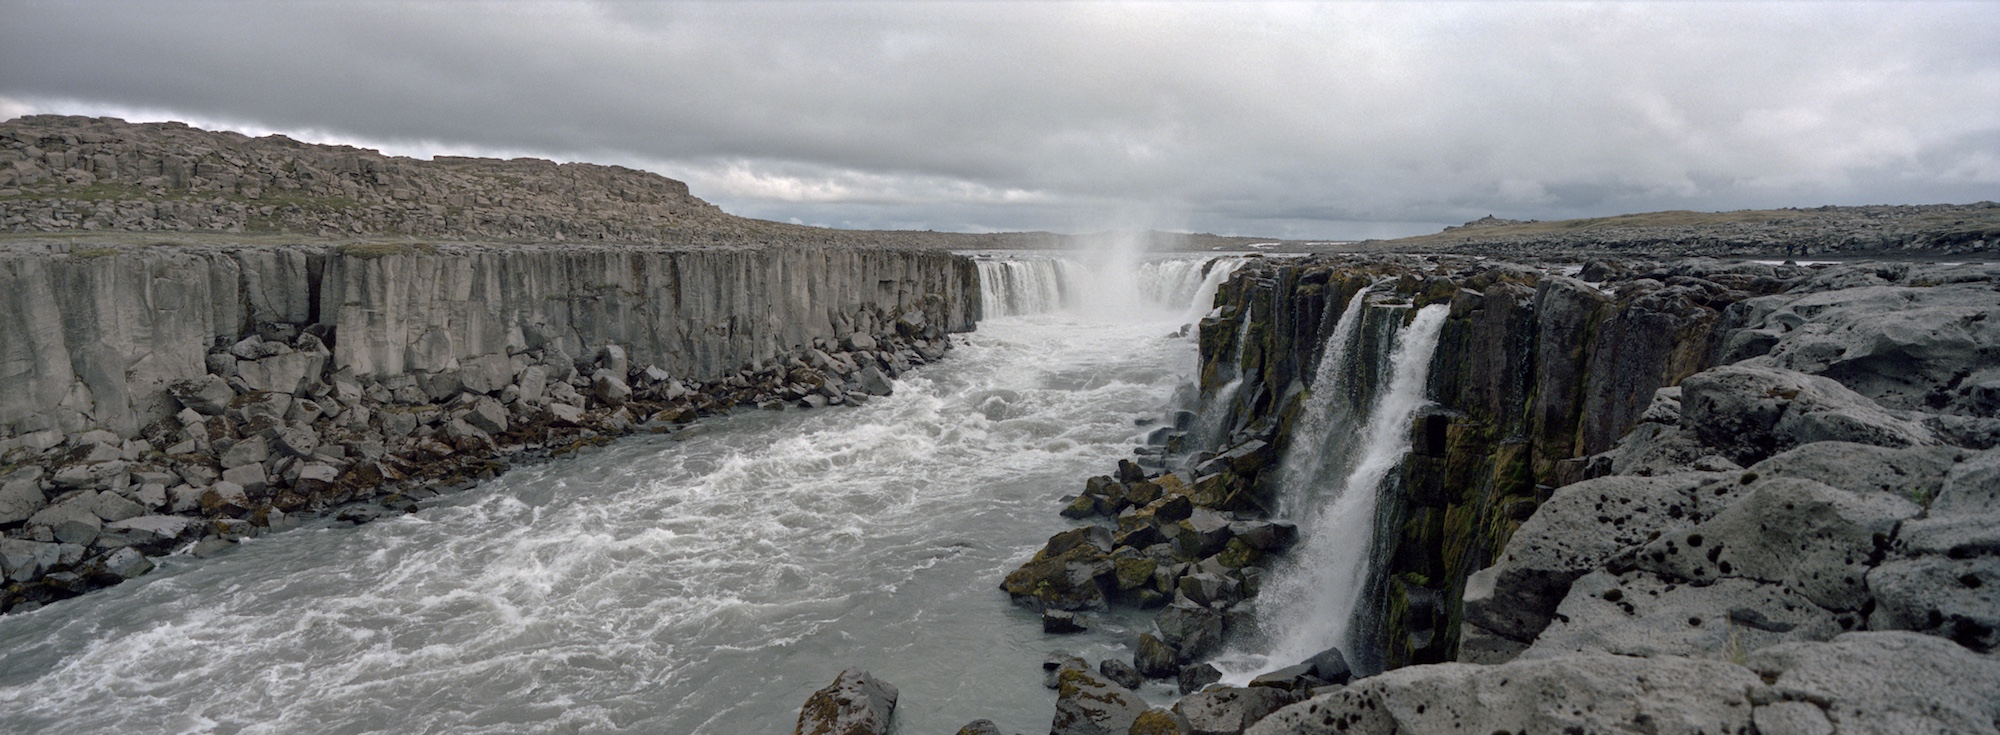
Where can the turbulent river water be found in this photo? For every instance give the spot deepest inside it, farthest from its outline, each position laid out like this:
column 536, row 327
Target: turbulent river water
column 701, row 582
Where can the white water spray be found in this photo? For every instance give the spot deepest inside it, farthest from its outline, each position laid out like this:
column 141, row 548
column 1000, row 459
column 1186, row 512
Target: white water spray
column 1309, row 605
column 1116, row 284
column 1330, row 406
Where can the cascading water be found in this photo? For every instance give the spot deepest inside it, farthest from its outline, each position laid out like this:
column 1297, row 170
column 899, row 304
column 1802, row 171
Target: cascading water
column 1213, row 424
column 1016, row 287
column 1338, row 400
column 1309, row 604
column 1041, row 284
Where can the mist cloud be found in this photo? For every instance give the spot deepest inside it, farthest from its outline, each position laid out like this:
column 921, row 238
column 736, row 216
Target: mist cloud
column 1286, row 120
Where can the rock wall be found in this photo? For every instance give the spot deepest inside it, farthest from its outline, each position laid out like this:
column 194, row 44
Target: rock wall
column 97, row 334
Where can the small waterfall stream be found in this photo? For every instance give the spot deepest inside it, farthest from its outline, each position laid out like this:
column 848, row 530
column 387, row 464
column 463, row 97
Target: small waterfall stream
column 1336, row 481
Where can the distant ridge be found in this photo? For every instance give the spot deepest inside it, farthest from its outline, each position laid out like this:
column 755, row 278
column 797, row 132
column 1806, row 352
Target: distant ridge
column 1934, row 229
column 70, row 174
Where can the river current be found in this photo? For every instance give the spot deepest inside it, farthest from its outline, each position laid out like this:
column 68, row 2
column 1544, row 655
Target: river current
column 705, row 581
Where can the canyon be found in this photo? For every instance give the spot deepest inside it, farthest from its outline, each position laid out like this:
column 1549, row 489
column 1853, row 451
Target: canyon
column 296, row 435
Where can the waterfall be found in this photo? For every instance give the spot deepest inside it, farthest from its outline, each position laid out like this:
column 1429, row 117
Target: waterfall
column 1212, row 426
column 1310, row 602
column 1018, row 286
column 1337, row 400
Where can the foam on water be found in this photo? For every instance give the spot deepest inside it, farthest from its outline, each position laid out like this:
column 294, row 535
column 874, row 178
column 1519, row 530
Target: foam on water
column 703, row 583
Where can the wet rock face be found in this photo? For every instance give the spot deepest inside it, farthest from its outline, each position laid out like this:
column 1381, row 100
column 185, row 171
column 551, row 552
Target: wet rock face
column 1087, row 703
column 856, row 703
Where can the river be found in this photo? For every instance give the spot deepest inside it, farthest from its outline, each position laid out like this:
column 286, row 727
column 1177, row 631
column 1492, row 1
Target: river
column 705, row 581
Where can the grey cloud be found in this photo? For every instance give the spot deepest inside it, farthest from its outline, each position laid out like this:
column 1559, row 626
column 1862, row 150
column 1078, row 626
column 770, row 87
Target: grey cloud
column 1293, row 120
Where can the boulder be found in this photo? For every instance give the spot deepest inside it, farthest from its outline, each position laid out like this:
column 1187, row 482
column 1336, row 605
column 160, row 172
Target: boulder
column 1917, row 473
column 1575, row 531
column 1752, row 412
column 1886, row 682
column 610, row 388
column 1060, row 622
column 980, row 727
column 486, row 373
column 1071, row 572
column 1230, row 710
column 208, row 395
column 563, row 414
column 19, row 499
column 532, row 383
column 1120, row 672
column 1268, row 536
column 125, row 563
column 1192, row 678
column 23, row 561
column 248, row 451
column 487, row 415
column 1297, row 677
column 185, row 498
column 151, row 532
column 1903, row 347
column 1192, row 630
column 1598, row 693
column 115, row 507
column 1055, row 663
column 1159, row 722
column 1972, row 487
column 1951, row 598
column 265, row 408
column 872, row 382
column 856, row 703
column 1154, row 659
column 286, row 373
column 91, row 475
column 74, row 520
column 249, row 478
column 1813, row 539
column 225, row 498
column 1640, row 614
column 1087, row 703
column 1330, row 666
column 296, row 440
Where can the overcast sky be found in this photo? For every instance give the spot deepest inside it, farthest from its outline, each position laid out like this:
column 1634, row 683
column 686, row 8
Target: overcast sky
column 1327, row 121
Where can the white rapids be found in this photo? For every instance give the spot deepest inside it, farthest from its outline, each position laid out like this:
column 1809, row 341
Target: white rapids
column 703, row 582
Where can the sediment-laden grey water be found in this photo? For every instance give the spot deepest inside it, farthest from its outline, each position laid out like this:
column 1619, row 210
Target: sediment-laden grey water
column 704, row 582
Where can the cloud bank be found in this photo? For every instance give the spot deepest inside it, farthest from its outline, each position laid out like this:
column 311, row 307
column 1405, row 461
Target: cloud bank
column 1295, row 120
